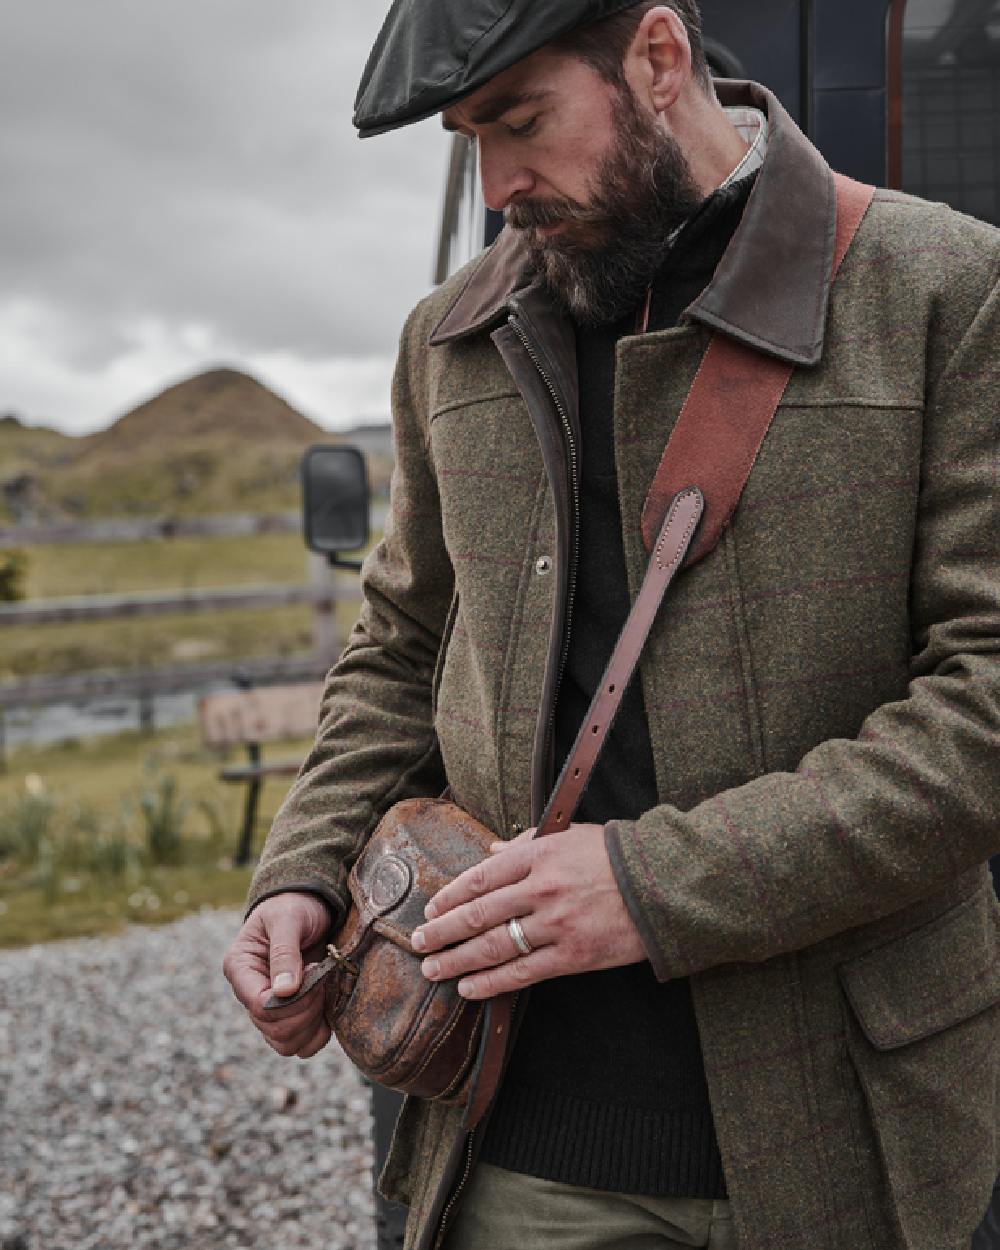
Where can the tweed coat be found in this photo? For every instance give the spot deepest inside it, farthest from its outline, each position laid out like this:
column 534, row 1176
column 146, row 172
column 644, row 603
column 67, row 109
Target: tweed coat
column 823, row 694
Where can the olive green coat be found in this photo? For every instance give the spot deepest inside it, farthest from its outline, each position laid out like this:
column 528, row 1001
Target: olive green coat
column 823, row 694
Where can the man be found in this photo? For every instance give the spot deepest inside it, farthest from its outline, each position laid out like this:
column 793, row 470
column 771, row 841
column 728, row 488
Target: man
column 764, row 961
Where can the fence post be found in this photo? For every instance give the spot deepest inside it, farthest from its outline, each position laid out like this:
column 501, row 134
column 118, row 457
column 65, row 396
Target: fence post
column 147, row 712
column 323, row 581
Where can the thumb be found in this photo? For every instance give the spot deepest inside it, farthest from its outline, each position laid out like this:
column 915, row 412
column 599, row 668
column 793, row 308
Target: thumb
column 285, row 956
column 498, row 848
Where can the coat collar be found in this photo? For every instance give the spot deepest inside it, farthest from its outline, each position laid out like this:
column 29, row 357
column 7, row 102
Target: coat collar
column 772, row 286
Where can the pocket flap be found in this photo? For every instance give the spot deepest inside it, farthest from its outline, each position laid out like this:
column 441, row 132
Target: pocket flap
column 925, row 981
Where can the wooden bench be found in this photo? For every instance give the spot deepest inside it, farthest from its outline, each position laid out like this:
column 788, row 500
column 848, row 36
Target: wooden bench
column 251, row 718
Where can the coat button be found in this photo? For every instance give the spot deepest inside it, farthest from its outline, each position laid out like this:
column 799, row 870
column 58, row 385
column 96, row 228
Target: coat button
column 543, row 566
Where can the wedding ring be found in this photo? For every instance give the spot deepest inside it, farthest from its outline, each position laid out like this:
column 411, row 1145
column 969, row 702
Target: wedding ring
column 518, row 938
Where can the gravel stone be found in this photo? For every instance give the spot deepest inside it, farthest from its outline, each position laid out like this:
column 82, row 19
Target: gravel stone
column 142, row 1111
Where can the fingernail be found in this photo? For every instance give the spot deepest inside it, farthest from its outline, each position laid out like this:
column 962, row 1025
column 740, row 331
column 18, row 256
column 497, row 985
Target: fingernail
column 430, row 911
column 465, row 988
column 418, row 940
column 430, row 968
column 283, row 981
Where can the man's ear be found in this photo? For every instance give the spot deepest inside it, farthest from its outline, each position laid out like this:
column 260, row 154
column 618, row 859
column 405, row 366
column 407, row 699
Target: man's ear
column 659, row 60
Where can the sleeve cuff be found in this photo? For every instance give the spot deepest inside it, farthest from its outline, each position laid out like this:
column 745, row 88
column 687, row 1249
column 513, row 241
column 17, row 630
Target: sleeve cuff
column 317, row 888
column 615, row 833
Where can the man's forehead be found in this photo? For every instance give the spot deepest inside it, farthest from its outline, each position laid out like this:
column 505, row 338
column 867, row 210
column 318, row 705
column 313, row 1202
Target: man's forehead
column 523, row 83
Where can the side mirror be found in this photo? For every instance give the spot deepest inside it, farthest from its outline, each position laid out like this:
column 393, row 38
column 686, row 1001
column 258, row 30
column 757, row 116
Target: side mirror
column 335, row 501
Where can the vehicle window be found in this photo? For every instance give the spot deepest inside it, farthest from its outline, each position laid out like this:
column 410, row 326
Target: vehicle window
column 950, row 108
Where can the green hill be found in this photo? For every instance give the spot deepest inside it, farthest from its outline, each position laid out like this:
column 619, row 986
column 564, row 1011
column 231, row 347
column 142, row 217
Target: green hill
column 217, row 442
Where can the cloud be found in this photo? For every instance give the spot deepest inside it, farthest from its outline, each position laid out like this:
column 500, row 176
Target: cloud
column 37, row 363
column 184, row 177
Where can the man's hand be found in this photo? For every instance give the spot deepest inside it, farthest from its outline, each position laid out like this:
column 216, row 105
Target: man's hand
column 267, row 956
column 563, row 892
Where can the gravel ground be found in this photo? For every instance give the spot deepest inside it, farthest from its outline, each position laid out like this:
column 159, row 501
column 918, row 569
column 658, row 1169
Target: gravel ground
column 140, row 1109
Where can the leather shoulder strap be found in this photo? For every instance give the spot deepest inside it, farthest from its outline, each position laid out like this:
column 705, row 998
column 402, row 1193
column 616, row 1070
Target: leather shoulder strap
column 667, row 558
column 729, row 410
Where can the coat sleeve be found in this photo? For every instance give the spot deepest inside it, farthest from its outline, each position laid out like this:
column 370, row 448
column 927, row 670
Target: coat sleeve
column 864, row 826
column 376, row 743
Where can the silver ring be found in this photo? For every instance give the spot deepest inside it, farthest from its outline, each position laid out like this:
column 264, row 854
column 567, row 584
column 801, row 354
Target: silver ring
column 518, row 938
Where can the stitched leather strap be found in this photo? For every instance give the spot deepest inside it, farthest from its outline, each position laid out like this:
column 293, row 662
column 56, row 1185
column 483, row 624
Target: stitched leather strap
column 729, row 410
column 719, row 432
column 668, row 556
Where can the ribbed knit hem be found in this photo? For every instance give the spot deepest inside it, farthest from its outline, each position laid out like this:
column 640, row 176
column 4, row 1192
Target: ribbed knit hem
column 622, row 1149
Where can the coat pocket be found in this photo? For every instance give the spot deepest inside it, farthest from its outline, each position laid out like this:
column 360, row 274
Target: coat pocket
column 394, row 1183
column 923, row 1037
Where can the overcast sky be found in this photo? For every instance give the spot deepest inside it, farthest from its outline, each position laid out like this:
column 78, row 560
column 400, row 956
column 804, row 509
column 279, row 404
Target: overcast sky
column 182, row 187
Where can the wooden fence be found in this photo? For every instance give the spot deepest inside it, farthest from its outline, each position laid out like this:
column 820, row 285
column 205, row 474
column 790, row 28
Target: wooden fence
column 115, row 530
column 323, row 592
column 229, row 525
column 166, row 603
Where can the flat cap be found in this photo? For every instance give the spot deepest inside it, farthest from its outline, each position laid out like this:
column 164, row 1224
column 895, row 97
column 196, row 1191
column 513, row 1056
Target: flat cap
column 431, row 53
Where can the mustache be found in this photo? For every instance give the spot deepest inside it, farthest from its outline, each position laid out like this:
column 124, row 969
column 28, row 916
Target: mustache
column 531, row 214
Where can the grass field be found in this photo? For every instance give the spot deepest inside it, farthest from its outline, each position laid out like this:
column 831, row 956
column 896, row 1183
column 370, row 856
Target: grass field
column 75, row 846
column 178, row 564
column 156, row 641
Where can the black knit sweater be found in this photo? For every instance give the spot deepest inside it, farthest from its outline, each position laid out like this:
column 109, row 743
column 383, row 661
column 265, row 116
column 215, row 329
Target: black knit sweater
column 606, row 1087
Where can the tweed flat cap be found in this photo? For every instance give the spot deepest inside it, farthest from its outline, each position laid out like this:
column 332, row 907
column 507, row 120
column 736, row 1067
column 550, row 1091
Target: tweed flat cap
column 431, row 53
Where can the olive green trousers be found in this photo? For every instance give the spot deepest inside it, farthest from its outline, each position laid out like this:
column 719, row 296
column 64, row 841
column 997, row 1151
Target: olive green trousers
column 507, row 1211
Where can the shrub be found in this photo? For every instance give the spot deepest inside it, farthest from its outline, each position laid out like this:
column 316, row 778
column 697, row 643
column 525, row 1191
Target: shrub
column 163, row 813
column 13, row 575
column 26, row 827
column 113, row 854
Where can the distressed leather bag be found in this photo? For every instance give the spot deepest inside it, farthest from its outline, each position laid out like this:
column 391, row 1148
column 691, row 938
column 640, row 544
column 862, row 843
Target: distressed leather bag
column 401, row 1030
column 417, row 1036
column 421, row 1037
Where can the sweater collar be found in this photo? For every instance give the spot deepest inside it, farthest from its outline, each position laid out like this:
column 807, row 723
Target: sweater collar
column 771, row 288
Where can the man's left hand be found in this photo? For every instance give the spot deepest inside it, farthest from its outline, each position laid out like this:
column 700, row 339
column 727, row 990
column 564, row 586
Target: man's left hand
column 562, row 891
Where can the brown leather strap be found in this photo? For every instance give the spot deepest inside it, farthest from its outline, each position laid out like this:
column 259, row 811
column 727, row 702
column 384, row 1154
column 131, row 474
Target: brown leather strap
column 672, row 545
column 729, row 410
column 668, row 556
column 715, row 442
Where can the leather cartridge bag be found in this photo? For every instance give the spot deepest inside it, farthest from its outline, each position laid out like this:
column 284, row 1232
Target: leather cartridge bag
column 400, row 1029
column 418, row 1036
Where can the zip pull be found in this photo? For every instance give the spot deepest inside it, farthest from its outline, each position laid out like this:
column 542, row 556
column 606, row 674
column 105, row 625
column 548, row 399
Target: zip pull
column 333, row 961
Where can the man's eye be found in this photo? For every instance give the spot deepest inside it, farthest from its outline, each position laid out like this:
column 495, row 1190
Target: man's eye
column 525, row 129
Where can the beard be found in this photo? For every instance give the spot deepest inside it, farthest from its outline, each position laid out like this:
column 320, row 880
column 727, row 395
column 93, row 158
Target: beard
column 600, row 263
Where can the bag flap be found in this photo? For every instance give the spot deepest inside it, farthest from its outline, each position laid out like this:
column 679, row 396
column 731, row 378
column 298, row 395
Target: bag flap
column 418, row 848
column 936, row 976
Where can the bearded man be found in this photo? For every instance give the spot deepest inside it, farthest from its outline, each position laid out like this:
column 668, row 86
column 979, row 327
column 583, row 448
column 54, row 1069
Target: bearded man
column 764, row 960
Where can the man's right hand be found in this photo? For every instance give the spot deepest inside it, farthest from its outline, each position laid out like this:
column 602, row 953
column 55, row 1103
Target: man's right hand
column 268, row 957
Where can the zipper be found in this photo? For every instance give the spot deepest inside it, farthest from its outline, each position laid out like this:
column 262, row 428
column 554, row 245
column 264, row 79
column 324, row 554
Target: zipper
column 574, row 477
column 443, row 1221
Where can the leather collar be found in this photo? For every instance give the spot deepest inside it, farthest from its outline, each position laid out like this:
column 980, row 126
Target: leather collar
column 772, row 285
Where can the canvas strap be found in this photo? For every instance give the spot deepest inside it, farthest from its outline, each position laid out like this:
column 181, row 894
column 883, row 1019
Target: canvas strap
column 696, row 489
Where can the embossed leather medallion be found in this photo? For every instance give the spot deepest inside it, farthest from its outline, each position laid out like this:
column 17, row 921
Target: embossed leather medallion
column 388, row 883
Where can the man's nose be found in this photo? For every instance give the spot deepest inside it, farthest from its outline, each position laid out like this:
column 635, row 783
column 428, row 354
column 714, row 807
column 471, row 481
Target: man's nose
column 503, row 177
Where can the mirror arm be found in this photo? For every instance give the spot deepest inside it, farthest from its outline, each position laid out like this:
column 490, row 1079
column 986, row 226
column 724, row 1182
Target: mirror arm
column 338, row 562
